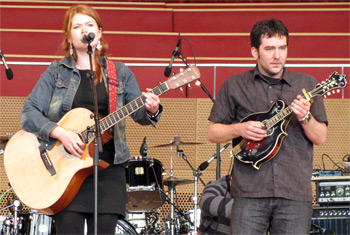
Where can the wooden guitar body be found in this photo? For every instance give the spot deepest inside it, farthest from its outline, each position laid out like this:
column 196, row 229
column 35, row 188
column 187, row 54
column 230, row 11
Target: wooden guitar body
column 30, row 179
column 259, row 152
column 50, row 189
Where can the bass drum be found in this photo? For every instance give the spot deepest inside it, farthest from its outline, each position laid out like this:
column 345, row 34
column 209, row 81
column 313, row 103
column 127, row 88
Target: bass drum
column 124, row 227
column 144, row 183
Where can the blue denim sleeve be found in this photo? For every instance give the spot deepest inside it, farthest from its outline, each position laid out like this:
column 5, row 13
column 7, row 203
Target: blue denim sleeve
column 35, row 109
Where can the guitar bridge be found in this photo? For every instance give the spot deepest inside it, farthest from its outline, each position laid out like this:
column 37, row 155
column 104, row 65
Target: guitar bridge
column 46, row 160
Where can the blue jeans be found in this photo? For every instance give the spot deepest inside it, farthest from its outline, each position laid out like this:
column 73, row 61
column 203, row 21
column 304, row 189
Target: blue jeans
column 276, row 215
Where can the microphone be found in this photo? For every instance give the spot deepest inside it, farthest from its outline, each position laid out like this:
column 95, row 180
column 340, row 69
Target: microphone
column 175, row 52
column 205, row 164
column 143, row 148
column 9, row 73
column 87, row 38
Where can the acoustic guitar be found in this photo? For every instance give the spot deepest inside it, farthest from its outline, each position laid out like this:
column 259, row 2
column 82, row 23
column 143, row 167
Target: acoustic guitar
column 48, row 179
column 276, row 121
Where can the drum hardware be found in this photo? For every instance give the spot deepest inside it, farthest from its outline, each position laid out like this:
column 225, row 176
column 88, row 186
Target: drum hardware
column 172, row 181
column 173, row 218
column 124, row 227
column 145, row 222
column 196, row 174
column 12, row 224
column 177, row 142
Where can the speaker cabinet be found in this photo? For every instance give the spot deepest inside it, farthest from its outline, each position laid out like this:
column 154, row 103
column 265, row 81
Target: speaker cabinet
column 330, row 220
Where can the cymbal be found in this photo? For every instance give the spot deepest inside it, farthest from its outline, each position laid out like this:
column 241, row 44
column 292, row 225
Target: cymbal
column 175, row 143
column 172, row 181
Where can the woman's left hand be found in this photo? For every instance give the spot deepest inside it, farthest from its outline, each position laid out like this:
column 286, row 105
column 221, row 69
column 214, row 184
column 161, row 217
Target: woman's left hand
column 152, row 102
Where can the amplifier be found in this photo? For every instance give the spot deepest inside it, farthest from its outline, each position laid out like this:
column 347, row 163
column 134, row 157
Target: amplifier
column 332, row 190
column 330, row 220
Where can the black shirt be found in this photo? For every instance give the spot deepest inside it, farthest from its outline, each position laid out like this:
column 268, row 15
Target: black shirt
column 288, row 174
column 111, row 182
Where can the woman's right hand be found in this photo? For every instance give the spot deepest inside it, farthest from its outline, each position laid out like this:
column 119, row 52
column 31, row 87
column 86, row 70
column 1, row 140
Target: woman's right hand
column 70, row 140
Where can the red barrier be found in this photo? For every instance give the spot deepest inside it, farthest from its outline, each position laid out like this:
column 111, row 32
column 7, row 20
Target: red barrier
column 228, row 21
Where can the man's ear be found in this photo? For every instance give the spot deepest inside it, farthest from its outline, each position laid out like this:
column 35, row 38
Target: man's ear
column 255, row 52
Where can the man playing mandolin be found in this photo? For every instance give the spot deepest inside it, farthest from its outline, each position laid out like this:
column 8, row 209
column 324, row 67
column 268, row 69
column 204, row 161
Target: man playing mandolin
column 274, row 191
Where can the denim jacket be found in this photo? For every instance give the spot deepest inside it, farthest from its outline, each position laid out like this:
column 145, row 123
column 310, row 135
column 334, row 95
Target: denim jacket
column 53, row 95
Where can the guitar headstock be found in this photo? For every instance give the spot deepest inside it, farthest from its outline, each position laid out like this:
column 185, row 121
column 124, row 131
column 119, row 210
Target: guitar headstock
column 184, row 77
column 335, row 81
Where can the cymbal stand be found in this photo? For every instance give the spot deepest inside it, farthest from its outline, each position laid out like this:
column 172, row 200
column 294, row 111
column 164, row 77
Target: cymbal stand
column 172, row 191
column 196, row 174
column 179, row 211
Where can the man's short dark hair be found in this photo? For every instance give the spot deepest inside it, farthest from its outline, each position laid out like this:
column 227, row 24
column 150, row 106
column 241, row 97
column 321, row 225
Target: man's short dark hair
column 269, row 28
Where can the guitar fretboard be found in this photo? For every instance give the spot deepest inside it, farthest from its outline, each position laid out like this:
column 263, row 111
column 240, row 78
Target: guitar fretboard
column 278, row 117
column 115, row 117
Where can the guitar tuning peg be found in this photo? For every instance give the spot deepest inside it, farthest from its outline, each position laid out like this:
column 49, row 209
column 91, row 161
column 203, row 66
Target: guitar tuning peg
column 328, row 93
column 338, row 90
column 325, row 96
column 181, row 89
column 333, row 92
column 189, row 85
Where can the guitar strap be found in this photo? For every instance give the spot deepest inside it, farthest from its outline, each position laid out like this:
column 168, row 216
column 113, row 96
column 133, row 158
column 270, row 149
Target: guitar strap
column 112, row 85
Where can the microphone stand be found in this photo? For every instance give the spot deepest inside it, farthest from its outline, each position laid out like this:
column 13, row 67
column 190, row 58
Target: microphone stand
column 218, row 158
column 97, row 140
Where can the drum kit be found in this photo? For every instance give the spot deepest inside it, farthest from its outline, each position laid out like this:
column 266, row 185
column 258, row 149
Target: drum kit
column 145, row 198
column 145, row 195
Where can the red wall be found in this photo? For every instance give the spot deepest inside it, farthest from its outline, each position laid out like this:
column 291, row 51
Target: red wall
column 148, row 33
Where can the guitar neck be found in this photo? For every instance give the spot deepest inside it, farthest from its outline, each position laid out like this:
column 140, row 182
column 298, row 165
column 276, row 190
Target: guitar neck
column 285, row 112
column 121, row 113
column 278, row 117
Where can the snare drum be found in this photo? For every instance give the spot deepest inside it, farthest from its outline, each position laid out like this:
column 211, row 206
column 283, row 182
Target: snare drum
column 143, row 181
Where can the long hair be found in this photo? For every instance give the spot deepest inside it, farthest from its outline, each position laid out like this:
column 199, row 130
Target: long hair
column 269, row 28
column 67, row 42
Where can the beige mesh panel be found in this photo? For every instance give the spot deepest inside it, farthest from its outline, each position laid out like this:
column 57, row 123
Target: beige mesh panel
column 188, row 119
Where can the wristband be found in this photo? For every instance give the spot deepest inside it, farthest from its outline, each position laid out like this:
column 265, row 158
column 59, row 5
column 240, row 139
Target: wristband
column 305, row 119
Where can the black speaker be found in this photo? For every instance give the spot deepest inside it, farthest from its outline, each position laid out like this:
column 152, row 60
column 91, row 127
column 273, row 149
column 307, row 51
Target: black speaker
column 330, row 220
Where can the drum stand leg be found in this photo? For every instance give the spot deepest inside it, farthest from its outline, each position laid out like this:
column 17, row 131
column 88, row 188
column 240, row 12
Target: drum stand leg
column 172, row 214
column 196, row 174
column 173, row 208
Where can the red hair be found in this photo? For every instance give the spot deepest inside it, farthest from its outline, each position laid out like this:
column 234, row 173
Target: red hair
column 67, row 42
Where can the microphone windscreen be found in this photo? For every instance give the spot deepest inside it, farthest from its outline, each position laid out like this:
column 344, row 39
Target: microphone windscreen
column 203, row 166
column 167, row 71
column 9, row 74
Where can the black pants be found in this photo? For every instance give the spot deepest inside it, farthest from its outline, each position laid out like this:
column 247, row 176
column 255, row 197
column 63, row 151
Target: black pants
column 73, row 223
